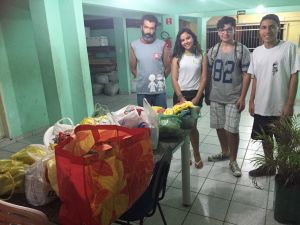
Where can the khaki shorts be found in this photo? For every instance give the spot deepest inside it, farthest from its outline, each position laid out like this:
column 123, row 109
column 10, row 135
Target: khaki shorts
column 224, row 116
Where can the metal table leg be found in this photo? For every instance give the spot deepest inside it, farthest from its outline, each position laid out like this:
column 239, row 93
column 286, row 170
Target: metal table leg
column 185, row 162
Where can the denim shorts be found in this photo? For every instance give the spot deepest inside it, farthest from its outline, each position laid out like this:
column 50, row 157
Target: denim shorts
column 153, row 99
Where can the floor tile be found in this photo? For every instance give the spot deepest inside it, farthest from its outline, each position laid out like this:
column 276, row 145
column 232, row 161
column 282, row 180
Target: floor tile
column 217, row 189
column 210, row 148
column 6, row 141
column 246, row 180
column 244, row 136
column 171, row 177
column 242, row 214
column 194, row 219
column 175, row 165
column 173, row 198
column 196, row 182
column 211, row 140
column 5, row 154
column 241, row 153
column 270, row 200
column 272, row 183
column 173, row 217
column 222, row 174
column 201, row 172
column 247, row 165
column 250, row 196
column 15, row 147
column 210, row 206
column 243, row 144
column 254, row 145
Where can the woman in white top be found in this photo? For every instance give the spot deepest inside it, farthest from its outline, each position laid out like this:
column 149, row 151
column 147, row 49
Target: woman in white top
column 189, row 69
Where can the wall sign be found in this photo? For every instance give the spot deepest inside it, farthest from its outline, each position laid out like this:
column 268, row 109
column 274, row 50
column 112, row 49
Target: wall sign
column 168, row 21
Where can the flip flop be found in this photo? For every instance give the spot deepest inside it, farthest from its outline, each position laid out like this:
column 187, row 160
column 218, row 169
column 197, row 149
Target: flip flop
column 199, row 164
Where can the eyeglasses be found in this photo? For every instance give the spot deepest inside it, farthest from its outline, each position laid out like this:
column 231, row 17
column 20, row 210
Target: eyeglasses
column 228, row 30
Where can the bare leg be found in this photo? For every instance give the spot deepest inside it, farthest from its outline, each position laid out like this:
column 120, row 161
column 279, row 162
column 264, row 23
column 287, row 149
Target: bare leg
column 194, row 138
column 233, row 143
column 268, row 150
column 223, row 139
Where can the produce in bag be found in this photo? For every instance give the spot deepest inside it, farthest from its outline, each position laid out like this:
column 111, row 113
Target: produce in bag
column 12, row 177
column 169, row 126
column 38, row 190
column 189, row 117
column 30, row 154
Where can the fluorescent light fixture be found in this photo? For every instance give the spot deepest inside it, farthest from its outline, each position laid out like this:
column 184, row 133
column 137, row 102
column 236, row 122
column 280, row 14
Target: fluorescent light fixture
column 260, row 9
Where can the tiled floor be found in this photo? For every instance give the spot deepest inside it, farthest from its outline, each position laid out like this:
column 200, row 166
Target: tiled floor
column 217, row 196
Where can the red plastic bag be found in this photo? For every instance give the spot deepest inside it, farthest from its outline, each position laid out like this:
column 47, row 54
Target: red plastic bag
column 101, row 172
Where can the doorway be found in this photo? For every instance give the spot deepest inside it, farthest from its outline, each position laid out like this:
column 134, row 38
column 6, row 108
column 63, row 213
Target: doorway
column 2, row 120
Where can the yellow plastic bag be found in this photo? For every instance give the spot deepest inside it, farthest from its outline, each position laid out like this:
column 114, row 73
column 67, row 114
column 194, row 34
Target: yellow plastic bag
column 51, row 169
column 30, row 154
column 12, row 176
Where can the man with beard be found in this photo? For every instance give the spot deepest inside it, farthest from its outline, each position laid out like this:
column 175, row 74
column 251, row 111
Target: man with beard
column 150, row 64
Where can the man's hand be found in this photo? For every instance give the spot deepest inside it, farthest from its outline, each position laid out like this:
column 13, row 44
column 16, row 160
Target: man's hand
column 251, row 108
column 240, row 104
column 195, row 101
column 288, row 110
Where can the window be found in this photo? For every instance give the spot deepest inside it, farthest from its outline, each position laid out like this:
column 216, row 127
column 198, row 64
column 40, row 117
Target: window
column 246, row 34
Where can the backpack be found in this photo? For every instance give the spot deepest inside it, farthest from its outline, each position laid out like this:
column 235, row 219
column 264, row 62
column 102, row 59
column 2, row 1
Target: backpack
column 238, row 56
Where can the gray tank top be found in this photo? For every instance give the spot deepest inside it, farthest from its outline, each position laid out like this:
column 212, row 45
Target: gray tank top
column 150, row 77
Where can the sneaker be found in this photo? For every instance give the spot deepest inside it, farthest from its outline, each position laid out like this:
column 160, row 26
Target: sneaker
column 235, row 169
column 263, row 171
column 218, row 157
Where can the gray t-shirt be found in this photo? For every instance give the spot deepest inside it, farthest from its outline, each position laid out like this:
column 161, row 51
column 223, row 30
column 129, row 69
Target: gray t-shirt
column 227, row 74
column 150, row 77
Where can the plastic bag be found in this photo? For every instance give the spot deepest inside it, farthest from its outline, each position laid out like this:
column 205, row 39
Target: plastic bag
column 61, row 127
column 38, row 190
column 189, row 117
column 153, row 123
column 100, row 110
column 130, row 116
column 52, row 176
column 12, row 177
column 30, row 154
column 169, row 126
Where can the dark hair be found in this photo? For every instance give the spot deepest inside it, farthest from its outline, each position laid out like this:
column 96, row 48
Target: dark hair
column 150, row 18
column 226, row 20
column 179, row 50
column 273, row 17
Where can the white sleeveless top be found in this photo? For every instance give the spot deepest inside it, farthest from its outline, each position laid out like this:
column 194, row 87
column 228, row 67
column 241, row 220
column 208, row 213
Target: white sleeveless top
column 189, row 72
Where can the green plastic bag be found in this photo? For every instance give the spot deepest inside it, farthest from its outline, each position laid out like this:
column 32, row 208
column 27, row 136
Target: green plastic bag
column 189, row 117
column 169, row 126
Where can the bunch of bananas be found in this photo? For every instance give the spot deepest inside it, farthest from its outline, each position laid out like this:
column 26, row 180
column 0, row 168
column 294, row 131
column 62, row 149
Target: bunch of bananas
column 182, row 106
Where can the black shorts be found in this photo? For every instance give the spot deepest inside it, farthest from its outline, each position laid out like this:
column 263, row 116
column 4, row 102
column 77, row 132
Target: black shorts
column 188, row 95
column 263, row 124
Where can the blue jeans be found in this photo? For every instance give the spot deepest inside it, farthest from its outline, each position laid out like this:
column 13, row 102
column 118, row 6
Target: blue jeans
column 153, row 99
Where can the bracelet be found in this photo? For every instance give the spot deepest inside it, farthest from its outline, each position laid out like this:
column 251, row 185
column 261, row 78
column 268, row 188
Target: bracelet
column 180, row 96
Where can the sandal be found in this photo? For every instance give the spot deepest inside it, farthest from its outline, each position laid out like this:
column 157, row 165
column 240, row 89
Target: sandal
column 199, row 164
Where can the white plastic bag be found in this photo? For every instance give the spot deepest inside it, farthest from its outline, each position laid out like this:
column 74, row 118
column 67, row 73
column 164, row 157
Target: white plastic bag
column 37, row 189
column 59, row 126
column 54, row 130
column 128, row 116
column 153, row 123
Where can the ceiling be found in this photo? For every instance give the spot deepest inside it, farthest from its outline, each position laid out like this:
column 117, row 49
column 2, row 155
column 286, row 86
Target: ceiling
column 192, row 7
